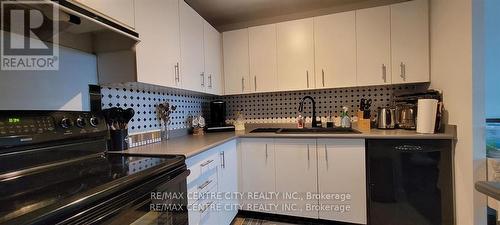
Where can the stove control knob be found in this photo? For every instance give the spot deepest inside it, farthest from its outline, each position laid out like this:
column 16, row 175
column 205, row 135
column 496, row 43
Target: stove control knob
column 80, row 122
column 66, row 123
column 94, row 121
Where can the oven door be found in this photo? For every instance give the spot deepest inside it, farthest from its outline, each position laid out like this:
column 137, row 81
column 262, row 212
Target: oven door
column 158, row 201
column 164, row 205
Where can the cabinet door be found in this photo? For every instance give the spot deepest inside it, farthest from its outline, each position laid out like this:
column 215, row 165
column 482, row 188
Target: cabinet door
column 335, row 50
column 295, row 55
column 296, row 172
column 192, row 59
column 373, row 32
column 341, row 172
column 263, row 68
column 236, row 67
column 158, row 53
column 121, row 11
column 410, row 42
column 228, row 182
column 257, row 172
column 213, row 59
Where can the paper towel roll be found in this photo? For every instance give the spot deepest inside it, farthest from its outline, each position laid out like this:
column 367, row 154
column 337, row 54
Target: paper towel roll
column 426, row 116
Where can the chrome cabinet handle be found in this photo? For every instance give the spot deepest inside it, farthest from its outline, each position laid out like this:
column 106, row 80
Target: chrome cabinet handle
column 255, row 82
column 205, row 184
column 207, row 207
column 202, row 79
column 323, row 77
column 403, row 71
column 176, row 72
column 326, row 157
column 242, row 84
column 266, row 153
column 384, row 73
column 223, row 160
column 308, row 157
column 207, row 163
column 210, row 80
column 307, row 77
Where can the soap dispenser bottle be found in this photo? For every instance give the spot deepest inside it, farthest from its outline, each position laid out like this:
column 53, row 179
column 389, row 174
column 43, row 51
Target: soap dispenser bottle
column 300, row 121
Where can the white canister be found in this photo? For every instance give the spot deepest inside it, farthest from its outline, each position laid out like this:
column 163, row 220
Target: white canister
column 426, row 116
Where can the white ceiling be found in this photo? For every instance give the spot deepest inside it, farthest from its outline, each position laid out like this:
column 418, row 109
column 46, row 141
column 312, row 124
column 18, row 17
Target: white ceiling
column 233, row 14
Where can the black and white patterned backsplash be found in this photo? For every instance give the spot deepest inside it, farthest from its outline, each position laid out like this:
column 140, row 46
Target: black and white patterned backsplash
column 276, row 107
column 144, row 102
column 282, row 107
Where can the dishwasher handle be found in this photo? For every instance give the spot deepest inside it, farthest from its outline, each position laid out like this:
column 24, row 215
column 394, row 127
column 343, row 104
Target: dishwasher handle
column 408, row 148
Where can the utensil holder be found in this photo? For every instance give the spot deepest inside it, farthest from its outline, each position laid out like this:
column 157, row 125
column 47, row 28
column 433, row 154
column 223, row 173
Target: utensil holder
column 119, row 140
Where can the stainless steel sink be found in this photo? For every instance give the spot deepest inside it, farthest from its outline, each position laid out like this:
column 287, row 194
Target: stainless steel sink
column 265, row 130
column 336, row 130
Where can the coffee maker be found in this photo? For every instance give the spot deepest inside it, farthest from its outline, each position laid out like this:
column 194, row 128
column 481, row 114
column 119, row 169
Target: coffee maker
column 406, row 108
column 217, row 121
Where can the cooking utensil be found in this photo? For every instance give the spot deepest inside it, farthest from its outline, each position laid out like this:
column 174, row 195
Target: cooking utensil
column 365, row 105
column 128, row 115
column 118, row 118
column 368, row 104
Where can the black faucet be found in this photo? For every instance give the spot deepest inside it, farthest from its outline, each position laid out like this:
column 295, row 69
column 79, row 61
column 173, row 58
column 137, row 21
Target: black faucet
column 301, row 109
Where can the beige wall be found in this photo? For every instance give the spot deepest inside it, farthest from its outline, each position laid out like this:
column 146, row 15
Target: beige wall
column 455, row 71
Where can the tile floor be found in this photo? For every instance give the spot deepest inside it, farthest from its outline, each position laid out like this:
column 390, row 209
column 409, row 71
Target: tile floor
column 251, row 221
column 266, row 220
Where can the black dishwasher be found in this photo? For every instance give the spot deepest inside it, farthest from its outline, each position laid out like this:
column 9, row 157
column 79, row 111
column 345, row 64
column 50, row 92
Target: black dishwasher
column 410, row 182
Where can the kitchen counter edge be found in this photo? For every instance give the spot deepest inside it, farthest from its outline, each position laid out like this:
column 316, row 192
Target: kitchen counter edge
column 190, row 146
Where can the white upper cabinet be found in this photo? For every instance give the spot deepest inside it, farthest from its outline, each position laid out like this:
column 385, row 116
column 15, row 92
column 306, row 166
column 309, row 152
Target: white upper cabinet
column 410, row 42
column 213, row 59
column 373, row 30
column 236, row 62
column 295, row 54
column 192, row 67
column 121, row 11
column 335, row 50
column 296, row 172
column 158, row 53
column 263, row 67
column 341, row 170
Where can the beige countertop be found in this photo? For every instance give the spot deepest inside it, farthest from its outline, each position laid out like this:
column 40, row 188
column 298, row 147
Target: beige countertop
column 187, row 145
column 192, row 145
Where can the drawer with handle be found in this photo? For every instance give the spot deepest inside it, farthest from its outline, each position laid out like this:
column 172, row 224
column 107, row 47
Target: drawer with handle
column 203, row 166
column 203, row 212
column 199, row 189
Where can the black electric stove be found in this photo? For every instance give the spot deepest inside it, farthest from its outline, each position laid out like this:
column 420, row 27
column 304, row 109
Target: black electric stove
column 54, row 169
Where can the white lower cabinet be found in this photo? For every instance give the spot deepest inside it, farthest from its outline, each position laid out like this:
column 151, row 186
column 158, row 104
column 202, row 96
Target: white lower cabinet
column 257, row 173
column 296, row 177
column 342, row 176
column 312, row 178
column 213, row 174
column 228, row 182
